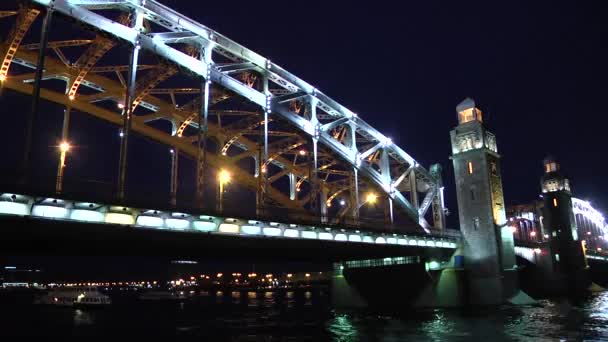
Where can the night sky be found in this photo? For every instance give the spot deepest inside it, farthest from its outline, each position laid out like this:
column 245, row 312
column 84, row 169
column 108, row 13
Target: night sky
column 536, row 69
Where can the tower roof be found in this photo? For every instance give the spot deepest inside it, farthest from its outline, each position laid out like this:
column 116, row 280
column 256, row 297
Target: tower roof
column 467, row 103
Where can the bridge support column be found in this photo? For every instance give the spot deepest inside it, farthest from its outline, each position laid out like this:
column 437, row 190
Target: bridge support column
column 33, row 114
column 201, row 153
column 127, row 112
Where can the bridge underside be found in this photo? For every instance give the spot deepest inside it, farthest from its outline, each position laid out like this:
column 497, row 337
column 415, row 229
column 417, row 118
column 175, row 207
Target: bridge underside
column 35, row 236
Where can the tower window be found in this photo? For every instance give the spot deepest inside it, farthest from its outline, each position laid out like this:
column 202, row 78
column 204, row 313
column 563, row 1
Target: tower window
column 555, row 202
column 470, row 167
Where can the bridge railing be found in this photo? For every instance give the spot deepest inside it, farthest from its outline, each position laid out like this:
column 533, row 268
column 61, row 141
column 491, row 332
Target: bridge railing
column 106, row 193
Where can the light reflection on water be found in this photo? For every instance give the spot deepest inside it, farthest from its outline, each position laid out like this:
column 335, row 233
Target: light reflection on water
column 551, row 320
column 306, row 316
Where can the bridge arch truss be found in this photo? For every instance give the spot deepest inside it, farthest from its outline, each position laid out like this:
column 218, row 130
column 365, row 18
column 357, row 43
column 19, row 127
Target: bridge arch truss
column 290, row 128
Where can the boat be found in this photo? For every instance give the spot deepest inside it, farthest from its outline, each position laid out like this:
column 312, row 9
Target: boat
column 76, row 296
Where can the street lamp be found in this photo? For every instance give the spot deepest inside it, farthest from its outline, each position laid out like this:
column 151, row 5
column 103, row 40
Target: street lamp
column 64, row 147
column 223, row 178
column 371, row 198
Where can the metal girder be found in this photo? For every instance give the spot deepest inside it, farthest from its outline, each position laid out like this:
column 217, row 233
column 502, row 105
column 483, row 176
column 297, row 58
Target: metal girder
column 239, row 129
column 120, row 68
column 87, row 61
column 58, row 44
column 150, row 80
column 25, row 18
column 284, row 146
column 235, row 67
column 4, row 14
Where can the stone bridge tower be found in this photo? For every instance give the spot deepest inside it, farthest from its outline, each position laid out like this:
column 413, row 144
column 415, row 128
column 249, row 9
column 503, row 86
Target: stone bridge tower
column 565, row 247
column 488, row 249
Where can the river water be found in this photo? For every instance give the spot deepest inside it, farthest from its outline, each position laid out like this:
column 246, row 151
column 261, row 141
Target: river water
column 306, row 316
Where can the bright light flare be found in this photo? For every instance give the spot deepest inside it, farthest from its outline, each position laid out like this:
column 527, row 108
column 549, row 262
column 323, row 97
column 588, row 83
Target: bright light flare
column 371, row 198
column 64, row 147
column 302, row 152
column 224, row 176
column 2, row 77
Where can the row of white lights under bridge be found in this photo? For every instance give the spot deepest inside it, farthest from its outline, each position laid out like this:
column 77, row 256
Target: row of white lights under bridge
column 59, row 209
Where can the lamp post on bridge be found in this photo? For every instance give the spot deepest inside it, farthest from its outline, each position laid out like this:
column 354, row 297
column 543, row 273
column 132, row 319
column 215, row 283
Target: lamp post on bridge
column 223, row 178
column 64, row 147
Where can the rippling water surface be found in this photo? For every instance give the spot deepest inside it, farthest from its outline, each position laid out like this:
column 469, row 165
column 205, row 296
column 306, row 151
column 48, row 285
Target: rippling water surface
column 306, row 316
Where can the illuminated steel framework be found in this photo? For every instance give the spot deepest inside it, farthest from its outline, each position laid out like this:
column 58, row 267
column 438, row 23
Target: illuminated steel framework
column 289, row 128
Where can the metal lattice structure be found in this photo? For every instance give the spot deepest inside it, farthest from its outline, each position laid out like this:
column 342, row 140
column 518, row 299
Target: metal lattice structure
column 290, row 128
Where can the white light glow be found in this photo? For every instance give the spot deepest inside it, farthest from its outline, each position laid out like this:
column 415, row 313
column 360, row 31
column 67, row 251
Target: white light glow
column 49, row 211
column 413, row 242
column 392, row 241
column 250, row 230
column 421, row 243
column 204, row 226
column 292, row 233
column 272, row 231
column 380, row 240
column 309, row 235
column 13, row 208
column 368, row 239
column 229, row 228
column 325, row 236
column 402, row 241
column 341, row 237
column 149, row 221
column 354, row 238
column 174, row 223
column 430, row 243
column 86, row 215
column 119, row 218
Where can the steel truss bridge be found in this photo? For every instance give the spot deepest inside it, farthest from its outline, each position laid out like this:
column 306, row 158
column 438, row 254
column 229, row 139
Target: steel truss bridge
column 223, row 104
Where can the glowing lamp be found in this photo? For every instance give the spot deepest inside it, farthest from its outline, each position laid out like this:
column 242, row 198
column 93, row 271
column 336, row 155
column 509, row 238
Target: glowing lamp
column 64, row 147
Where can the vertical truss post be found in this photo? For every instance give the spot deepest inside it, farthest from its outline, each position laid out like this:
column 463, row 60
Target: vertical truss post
column 354, row 195
column 127, row 112
column 413, row 190
column 323, row 205
column 64, row 140
column 315, row 204
column 391, row 210
column 292, row 186
column 201, row 154
column 174, row 170
column 31, row 122
column 263, row 158
column 388, row 211
column 438, row 200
